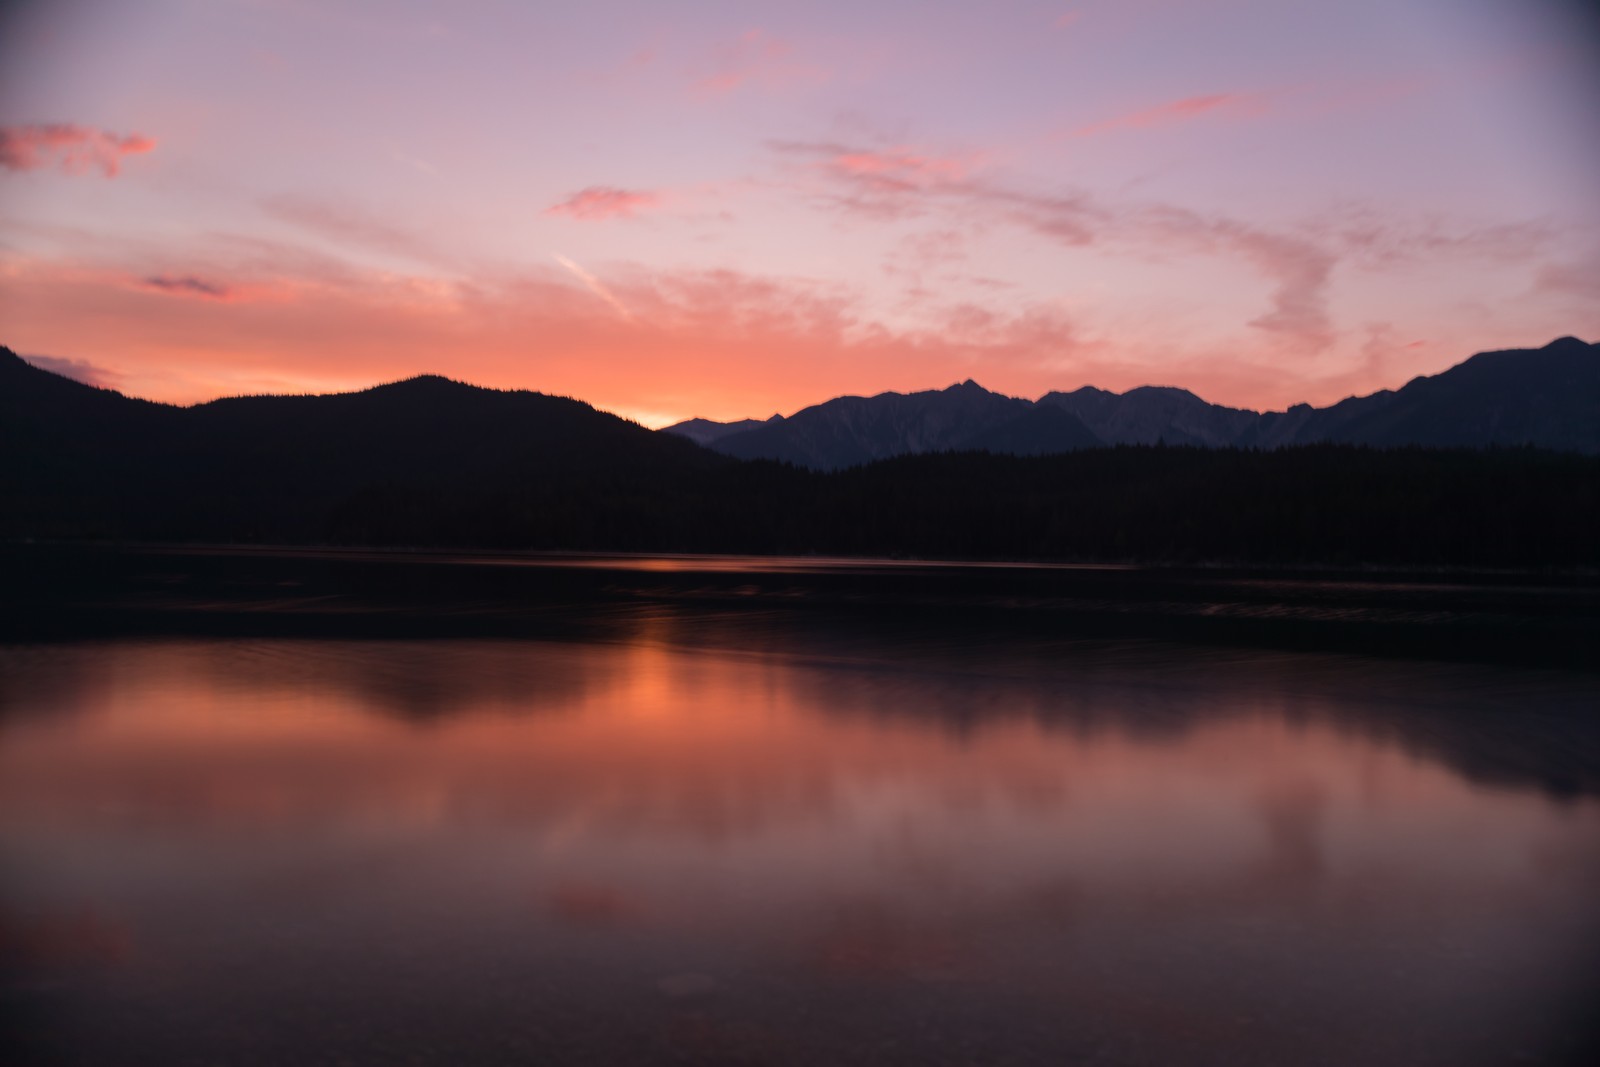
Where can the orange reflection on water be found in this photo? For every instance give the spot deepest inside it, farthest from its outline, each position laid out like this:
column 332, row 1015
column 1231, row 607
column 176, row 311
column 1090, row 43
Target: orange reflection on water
column 1099, row 835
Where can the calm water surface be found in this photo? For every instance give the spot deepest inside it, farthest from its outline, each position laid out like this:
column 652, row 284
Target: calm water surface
column 721, row 842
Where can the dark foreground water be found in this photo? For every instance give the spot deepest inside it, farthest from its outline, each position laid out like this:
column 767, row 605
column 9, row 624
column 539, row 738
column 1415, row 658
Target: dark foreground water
column 738, row 838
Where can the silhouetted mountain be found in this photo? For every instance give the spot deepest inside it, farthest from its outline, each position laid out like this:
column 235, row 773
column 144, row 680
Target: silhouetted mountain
column 1153, row 413
column 1547, row 397
column 89, row 460
column 1304, row 424
column 852, row 430
column 1035, row 431
column 432, row 462
column 705, row 431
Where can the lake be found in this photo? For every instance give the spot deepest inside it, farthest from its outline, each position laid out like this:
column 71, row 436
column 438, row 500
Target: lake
column 700, row 835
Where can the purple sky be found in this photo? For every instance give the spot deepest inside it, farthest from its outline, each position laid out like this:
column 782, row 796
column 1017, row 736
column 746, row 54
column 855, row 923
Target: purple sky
column 739, row 208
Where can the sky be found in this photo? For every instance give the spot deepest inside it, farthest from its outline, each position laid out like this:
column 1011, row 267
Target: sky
column 735, row 209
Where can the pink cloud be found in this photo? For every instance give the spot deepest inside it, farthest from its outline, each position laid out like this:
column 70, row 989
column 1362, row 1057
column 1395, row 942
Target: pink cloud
column 721, row 343
column 1172, row 112
column 74, row 149
column 899, row 183
column 1063, row 21
column 756, row 58
column 897, row 167
column 882, row 182
column 80, row 370
column 604, row 202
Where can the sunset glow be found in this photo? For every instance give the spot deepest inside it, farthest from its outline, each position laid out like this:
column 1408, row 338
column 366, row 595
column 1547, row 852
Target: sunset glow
column 734, row 209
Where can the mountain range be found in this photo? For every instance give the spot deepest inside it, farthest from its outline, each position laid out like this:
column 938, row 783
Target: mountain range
column 434, row 462
column 1548, row 397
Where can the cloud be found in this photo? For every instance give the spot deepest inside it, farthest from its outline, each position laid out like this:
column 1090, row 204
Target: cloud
column 79, row 370
column 891, row 167
column 595, row 286
column 902, row 183
column 348, row 225
column 898, row 168
column 185, row 285
column 75, row 149
column 1172, row 112
column 1572, row 278
column 755, row 58
column 886, row 183
column 604, row 202
column 1299, row 267
column 1377, row 238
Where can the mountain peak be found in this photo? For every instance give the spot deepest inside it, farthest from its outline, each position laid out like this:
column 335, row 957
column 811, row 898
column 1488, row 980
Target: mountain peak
column 432, row 385
column 1159, row 390
column 1567, row 342
column 427, row 381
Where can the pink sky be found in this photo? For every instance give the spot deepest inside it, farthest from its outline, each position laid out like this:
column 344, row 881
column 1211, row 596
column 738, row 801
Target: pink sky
column 733, row 209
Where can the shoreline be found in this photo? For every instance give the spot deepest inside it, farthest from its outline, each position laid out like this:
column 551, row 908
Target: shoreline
column 73, row 591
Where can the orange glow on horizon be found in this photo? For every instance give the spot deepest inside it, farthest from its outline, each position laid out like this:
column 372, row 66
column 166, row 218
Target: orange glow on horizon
column 718, row 346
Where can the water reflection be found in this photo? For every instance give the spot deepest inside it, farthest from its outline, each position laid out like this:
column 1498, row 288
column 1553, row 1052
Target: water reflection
column 718, row 841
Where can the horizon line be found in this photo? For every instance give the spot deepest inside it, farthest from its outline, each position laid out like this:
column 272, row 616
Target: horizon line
column 424, row 375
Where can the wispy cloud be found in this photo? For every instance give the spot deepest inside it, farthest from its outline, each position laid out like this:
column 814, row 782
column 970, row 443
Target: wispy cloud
column 1298, row 267
column 416, row 163
column 902, row 183
column 884, row 182
column 75, row 149
column 185, row 285
column 604, row 202
column 79, row 370
column 349, row 225
column 595, row 286
column 898, row 167
column 755, row 59
column 1376, row 238
column 1573, row 278
column 689, row 343
column 1174, row 111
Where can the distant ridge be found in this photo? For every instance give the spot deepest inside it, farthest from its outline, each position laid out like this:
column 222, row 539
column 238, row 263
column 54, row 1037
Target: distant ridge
column 429, row 462
column 249, row 468
column 1548, row 397
column 852, row 430
column 704, row 431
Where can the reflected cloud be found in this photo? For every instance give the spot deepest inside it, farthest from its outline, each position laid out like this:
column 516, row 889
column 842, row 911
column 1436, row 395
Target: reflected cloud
column 62, row 938
column 593, row 906
column 1293, row 812
column 683, row 817
column 875, row 939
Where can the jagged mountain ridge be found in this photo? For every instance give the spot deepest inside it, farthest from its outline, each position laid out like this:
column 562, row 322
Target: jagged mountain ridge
column 1549, row 397
column 431, row 462
column 850, row 430
column 705, row 431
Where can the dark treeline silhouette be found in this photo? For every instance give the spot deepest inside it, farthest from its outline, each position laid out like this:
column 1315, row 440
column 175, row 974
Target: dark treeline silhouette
column 430, row 462
column 1312, row 505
